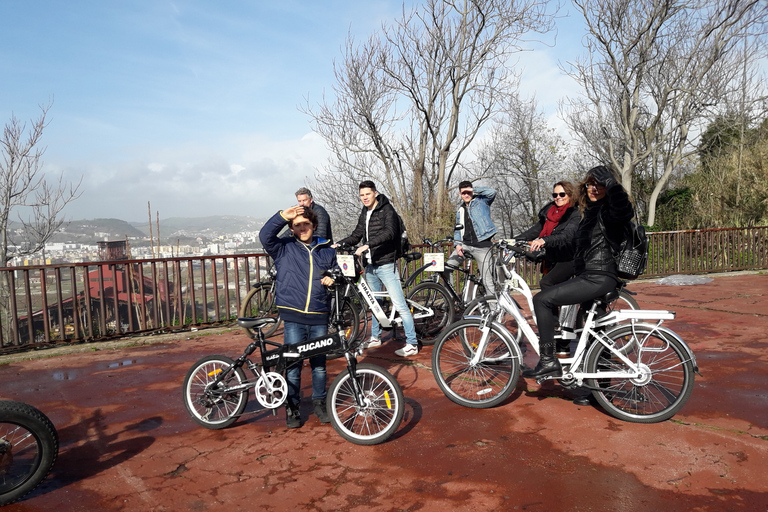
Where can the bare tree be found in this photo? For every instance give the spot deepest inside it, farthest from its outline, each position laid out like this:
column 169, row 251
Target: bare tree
column 410, row 102
column 653, row 71
column 26, row 193
column 523, row 158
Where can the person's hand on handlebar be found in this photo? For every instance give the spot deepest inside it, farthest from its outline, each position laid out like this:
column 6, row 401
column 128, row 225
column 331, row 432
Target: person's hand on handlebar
column 460, row 250
column 537, row 244
column 360, row 250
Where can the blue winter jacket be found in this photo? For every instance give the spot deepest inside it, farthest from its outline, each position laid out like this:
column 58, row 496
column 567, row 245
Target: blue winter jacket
column 480, row 214
column 301, row 298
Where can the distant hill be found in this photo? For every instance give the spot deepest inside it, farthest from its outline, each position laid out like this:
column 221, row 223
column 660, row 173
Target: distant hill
column 204, row 227
column 174, row 228
column 96, row 229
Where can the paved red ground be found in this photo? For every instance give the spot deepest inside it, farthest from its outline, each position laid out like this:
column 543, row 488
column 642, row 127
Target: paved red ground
column 127, row 442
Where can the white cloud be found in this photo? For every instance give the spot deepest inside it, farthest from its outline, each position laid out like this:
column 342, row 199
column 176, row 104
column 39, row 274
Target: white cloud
column 248, row 175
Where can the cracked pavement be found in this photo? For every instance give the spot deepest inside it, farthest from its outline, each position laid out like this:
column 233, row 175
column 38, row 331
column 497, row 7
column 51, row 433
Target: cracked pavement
column 127, row 442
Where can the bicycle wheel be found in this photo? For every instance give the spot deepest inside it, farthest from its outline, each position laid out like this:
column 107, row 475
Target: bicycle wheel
column 485, row 384
column 260, row 303
column 662, row 389
column 433, row 296
column 29, row 445
column 212, row 406
column 381, row 412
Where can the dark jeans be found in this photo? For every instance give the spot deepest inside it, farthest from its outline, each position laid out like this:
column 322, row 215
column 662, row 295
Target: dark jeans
column 561, row 272
column 578, row 290
column 295, row 333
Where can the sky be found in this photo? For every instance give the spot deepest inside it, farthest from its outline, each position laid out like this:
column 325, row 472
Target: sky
column 194, row 106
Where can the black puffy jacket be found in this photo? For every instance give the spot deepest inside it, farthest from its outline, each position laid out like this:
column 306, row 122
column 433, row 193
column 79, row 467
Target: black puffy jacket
column 382, row 229
column 558, row 246
column 593, row 253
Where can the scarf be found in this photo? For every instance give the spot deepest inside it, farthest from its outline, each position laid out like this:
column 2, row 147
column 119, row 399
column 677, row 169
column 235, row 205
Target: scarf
column 554, row 214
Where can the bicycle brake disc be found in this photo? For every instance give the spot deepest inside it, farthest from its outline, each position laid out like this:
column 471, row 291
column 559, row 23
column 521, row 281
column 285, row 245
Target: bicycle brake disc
column 271, row 390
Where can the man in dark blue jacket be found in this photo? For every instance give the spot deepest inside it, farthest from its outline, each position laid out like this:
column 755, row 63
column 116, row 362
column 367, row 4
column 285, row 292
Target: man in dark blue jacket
column 302, row 299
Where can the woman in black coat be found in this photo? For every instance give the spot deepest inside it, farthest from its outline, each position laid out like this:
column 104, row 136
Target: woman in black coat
column 605, row 210
column 554, row 232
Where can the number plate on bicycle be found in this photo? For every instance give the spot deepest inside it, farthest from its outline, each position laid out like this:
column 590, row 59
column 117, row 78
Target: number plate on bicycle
column 436, row 261
column 346, row 264
column 316, row 346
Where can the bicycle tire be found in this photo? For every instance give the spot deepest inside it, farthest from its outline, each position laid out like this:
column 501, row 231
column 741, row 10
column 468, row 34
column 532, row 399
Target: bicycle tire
column 202, row 402
column 29, row 445
column 486, row 384
column 433, row 296
column 378, row 418
column 260, row 303
column 660, row 392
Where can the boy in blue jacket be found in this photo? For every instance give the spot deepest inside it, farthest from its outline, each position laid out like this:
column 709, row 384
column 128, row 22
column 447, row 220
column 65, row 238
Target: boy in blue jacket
column 302, row 299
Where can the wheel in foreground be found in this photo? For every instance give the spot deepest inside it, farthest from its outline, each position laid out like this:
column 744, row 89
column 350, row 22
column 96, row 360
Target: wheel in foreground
column 485, row 384
column 29, row 446
column 381, row 412
column 211, row 405
column 663, row 388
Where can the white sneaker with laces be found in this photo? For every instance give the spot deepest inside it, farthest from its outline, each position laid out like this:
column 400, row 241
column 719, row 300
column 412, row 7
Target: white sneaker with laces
column 372, row 343
column 407, row 351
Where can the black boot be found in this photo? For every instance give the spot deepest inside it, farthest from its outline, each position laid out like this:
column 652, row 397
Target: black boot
column 548, row 365
column 292, row 415
column 320, row 411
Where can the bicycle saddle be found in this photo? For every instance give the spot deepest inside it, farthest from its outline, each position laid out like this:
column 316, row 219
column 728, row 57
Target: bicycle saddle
column 412, row 256
column 610, row 297
column 255, row 323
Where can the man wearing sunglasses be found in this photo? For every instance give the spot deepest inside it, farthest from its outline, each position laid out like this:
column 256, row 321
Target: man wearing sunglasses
column 475, row 238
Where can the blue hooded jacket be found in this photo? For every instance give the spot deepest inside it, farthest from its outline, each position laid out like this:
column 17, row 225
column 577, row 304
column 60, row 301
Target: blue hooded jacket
column 301, row 298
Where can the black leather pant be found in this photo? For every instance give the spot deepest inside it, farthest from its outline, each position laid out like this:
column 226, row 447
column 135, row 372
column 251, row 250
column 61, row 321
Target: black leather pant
column 580, row 289
column 560, row 272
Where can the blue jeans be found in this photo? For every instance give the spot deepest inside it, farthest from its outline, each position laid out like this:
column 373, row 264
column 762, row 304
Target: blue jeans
column 378, row 275
column 296, row 333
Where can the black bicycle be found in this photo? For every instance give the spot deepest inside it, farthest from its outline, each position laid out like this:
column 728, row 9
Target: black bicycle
column 29, row 445
column 471, row 286
column 365, row 402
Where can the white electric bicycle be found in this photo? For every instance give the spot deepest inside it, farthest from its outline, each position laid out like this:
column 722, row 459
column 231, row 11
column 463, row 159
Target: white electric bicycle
column 637, row 370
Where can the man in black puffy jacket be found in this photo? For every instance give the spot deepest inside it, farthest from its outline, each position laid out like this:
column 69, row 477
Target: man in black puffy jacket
column 303, row 302
column 377, row 228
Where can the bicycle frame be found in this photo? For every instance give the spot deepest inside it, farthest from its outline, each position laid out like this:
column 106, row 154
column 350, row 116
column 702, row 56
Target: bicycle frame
column 371, row 297
column 572, row 364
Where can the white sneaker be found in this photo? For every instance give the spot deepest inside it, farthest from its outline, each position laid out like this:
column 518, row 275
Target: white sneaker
column 372, row 343
column 407, row 351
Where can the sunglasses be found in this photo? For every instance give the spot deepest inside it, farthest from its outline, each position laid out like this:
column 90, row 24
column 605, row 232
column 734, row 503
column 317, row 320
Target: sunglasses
column 555, row 195
column 467, row 192
column 595, row 186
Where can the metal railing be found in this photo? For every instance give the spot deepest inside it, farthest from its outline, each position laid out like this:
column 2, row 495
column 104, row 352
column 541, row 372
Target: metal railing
column 87, row 301
column 100, row 300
